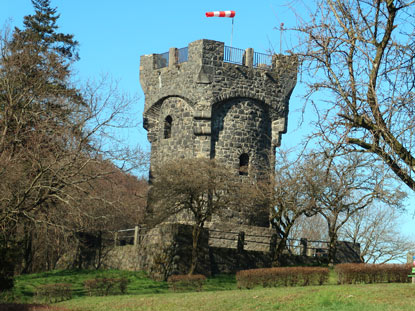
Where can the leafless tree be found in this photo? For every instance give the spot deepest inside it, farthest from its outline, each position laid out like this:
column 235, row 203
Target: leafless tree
column 194, row 191
column 285, row 195
column 358, row 63
column 57, row 151
column 340, row 187
column 376, row 228
column 312, row 228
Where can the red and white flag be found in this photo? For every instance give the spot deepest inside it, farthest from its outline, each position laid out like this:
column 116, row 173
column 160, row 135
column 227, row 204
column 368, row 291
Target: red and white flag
column 220, row 14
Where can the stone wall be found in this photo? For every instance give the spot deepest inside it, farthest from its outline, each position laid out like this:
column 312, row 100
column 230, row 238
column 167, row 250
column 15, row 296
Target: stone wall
column 166, row 250
column 180, row 144
column 241, row 126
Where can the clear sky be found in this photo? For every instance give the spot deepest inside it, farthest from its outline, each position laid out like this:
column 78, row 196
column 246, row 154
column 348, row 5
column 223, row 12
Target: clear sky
column 114, row 33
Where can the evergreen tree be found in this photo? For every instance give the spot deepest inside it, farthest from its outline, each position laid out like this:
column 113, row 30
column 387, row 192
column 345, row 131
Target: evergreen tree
column 54, row 178
column 39, row 109
column 38, row 66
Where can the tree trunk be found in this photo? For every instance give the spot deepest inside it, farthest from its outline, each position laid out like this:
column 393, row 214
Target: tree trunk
column 28, row 253
column 197, row 228
column 332, row 246
column 282, row 244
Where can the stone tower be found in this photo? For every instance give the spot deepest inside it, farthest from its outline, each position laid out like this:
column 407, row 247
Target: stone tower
column 210, row 100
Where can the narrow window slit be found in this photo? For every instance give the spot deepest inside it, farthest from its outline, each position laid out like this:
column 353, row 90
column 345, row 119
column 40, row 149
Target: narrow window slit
column 167, row 127
column 243, row 164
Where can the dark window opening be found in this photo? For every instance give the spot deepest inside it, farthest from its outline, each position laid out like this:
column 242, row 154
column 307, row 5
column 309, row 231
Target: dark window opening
column 243, row 164
column 167, row 127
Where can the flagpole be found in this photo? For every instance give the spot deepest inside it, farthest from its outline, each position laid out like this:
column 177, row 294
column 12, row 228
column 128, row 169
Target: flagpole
column 230, row 14
column 232, row 32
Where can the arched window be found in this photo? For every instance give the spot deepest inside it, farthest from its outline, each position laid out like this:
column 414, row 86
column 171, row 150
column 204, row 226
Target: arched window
column 167, row 127
column 243, row 164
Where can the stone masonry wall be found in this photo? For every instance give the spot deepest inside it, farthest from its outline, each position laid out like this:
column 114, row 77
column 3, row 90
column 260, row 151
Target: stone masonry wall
column 180, row 144
column 239, row 126
column 166, row 250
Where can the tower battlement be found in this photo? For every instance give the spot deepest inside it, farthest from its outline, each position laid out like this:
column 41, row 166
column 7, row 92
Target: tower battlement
column 210, row 100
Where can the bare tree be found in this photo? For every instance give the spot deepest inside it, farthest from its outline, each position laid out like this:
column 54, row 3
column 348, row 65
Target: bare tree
column 285, row 195
column 340, row 187
column 358, row 64
column 194, row 191
column 376, row 229
column 312, row 228
column 55, row 137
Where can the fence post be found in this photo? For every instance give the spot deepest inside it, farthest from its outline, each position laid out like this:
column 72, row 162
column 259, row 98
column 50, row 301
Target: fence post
column 172, row 57
column 310, row 252
column 272, row 244
column 303, row 243
column 241, row 241
column 249, row 57
column 115, row 238
column 135, row 235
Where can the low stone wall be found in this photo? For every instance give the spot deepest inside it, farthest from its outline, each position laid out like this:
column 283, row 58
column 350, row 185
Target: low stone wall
column 225, row 235
column 124, row 258
column 223, row 248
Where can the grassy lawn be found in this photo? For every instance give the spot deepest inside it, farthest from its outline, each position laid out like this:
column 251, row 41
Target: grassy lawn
column 138, row 283
column 25, row 285
column 220, row 293
column 330, row 297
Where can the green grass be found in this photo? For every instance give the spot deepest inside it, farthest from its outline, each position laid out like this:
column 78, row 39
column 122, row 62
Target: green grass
column 139, row 284
column 220, row 293
column 379, row 297
column 25, row 285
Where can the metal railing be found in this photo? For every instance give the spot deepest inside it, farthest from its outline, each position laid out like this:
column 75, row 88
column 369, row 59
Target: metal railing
column 233, row 55
column 131, row 236
column 161, row 60
column 314, row 248
column 262, row 60
column 182, row 55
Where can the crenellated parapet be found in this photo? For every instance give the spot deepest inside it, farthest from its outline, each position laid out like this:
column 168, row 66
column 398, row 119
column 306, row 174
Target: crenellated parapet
column 204, row 75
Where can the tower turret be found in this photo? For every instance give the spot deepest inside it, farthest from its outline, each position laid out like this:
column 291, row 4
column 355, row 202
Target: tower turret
column 210, row 100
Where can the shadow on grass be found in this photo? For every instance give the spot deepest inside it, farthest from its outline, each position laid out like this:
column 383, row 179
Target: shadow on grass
column 29, row 307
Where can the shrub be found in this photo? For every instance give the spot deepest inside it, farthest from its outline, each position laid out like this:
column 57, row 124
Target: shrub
column 105, row 286
column 186, row 282
column 288, row 276
column 6, row 283
column 7, row 264
column 372, row 273
column 54, row 292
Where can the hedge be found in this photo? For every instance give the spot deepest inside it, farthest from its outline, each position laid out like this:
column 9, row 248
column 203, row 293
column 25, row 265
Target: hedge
column 105, row 286
column 287, row 276
column 372, row 273
column 54, row 292
column 186, row 282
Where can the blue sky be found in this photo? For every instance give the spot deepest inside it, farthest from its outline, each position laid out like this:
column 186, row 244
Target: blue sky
column 113, row 34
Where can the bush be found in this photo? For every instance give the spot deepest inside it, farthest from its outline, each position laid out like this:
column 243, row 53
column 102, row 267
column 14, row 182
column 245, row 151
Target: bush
column 6, row 283
column 7, row 264
column 54, row 292
column 106, row 286
column 186, row 282
column 289, row 276
column 372, row 273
